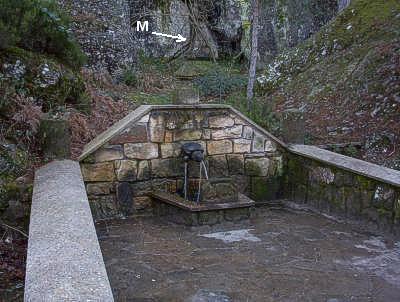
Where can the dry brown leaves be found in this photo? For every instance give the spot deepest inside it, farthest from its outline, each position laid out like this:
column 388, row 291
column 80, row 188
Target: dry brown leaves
column 105, row 111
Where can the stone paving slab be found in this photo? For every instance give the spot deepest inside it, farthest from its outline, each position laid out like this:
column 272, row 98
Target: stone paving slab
column 276, row 256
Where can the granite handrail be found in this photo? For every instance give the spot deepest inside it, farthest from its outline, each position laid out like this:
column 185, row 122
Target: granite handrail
column 64, row 261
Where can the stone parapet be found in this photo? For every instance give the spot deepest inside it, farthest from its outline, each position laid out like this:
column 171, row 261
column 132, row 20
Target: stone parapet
column 64, row 261
column 344, row 186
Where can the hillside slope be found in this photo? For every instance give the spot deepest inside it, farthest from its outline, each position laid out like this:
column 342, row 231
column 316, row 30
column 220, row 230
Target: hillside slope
column 346, row 79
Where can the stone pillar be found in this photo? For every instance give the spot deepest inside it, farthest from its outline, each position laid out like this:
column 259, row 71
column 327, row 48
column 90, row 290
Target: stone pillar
column 187, row 95
column 54, row 136
column 293, row 126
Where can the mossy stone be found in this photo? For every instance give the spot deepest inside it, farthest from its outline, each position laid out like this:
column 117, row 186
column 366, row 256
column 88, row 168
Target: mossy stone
column 265, row 189
column 55, row 138
column 237, row 214
column 210, row 217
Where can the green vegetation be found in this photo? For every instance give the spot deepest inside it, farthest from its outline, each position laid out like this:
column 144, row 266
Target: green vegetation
column 13, row 163
column 39, row 57
column 141, row 98
column 42, row 77
column 219, row 83
column 38, row 26
column 129, row 77
column 39, row 72
column 262, row 113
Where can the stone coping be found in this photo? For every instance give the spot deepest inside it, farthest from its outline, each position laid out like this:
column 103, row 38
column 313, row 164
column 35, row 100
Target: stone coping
column 347, row 163
column 64, row 261
column 175, row 200
column 143, row 110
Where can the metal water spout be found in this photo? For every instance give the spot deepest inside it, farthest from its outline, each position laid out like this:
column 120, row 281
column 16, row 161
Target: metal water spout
column 202, row 166
column 194, row 152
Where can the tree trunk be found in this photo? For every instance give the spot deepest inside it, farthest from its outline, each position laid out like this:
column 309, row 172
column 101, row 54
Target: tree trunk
column 255, row 11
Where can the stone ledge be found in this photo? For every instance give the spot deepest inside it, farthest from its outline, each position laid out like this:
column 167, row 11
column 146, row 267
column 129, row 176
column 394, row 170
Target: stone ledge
column 64, row 261
column 350, row 164
column 177, row 201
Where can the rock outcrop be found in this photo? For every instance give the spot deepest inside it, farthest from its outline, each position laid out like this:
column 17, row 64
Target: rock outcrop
column 346, row 80
column 284, row 24
column 107, row 29
column 170, row 18
column 102, row 28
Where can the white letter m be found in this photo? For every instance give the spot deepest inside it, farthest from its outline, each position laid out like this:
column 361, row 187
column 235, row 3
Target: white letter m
column 142, row 26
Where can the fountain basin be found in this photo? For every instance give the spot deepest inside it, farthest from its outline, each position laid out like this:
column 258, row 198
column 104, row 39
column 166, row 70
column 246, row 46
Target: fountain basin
column 220, row 190
column 176, row 209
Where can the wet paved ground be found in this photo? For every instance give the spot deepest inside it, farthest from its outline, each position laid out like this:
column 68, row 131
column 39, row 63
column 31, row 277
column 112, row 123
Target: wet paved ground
column 277, row 256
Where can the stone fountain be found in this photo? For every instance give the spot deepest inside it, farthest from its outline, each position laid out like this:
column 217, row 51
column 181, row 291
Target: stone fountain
column 192, row 164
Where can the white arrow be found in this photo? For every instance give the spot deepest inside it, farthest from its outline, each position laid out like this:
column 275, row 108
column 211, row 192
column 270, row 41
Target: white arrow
column 178, row 38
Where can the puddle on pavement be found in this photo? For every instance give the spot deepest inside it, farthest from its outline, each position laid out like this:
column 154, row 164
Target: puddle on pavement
column 233, row 236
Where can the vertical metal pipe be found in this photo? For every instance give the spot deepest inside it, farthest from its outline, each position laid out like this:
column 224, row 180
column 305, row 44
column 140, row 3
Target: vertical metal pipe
column 186, row 180
column 199, row 190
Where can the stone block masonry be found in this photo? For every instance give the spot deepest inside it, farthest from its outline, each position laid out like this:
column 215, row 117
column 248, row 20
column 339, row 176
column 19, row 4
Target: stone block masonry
column 146, row 155
column 141, row 154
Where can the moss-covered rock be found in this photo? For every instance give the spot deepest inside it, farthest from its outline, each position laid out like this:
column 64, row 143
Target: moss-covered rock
column 344, row 78
column 265, row 189
column 362, row 22
column 44, row 78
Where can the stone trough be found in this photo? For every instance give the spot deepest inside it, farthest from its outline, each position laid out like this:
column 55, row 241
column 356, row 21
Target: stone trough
column 178, row 210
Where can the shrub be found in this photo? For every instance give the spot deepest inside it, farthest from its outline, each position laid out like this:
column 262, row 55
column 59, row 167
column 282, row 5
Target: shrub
column 39, row 26
column 129, row 77
column 13, row 163
column 217, row 83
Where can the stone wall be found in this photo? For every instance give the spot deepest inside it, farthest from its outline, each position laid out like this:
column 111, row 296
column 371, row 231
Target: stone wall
column 146, row 156
column 142, row 153
column 344, row 193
